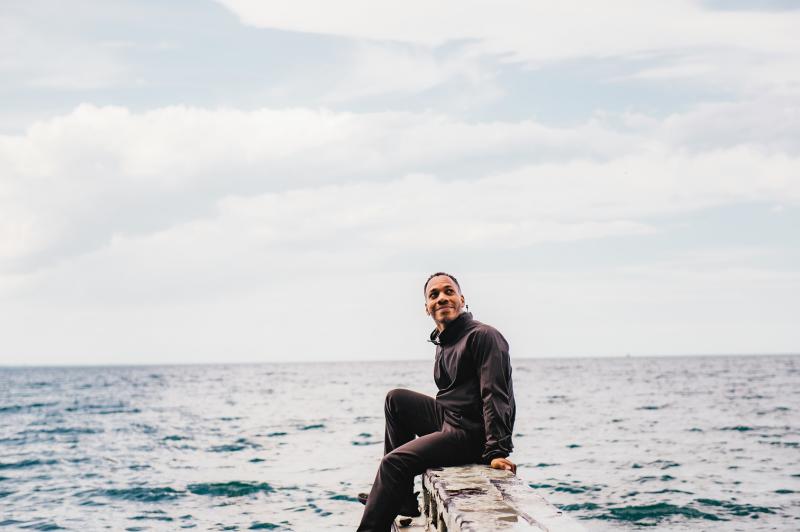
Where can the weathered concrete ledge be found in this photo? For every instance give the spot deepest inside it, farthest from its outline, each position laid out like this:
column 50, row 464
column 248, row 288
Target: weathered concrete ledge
column 477, row 498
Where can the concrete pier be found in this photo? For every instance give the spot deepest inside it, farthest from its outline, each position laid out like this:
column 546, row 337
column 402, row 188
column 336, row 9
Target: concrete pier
column 477, row 498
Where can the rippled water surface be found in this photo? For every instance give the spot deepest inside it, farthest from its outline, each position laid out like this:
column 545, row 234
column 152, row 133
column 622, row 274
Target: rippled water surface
column 676, row 443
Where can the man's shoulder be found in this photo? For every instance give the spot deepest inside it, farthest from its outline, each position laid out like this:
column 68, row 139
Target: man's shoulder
column 483, row 330
column 476, row 325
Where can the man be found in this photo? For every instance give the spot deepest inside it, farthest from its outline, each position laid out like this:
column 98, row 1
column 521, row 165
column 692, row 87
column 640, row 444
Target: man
column 471, row 419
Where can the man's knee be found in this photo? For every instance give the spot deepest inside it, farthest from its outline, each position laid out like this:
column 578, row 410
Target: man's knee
column 393, row 397
column 396, row 464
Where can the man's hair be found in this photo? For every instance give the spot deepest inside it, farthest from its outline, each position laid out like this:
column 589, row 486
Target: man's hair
column 425, row 288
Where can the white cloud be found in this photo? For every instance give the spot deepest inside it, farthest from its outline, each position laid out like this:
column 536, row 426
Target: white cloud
column 535, row 31
column 376, row 72
column 768, row 123
column 363, row 227
column 69, row 185
column 35, row 56
column 674, row 33
column 379, row 70
column 72, row 182
column 532, row 204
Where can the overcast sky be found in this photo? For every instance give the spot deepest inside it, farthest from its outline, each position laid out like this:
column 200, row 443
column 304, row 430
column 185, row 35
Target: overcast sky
column 242, row 180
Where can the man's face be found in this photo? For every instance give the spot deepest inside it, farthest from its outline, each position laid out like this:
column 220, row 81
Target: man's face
column 443, row 300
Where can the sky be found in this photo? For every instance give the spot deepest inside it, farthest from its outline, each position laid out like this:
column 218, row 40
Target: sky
column 252, row 181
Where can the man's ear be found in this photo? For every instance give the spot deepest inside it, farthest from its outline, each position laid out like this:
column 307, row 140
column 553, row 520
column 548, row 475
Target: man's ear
column 428, row 312
column 462, row 300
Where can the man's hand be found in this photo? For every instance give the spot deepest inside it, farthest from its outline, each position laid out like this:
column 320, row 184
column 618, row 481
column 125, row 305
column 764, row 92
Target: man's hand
column 504, row 463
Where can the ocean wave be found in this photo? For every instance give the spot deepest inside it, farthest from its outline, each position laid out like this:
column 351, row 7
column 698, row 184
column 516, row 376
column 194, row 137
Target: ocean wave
column 566, row 487
column 154, row 515
column 578, row 506
column 650, row 478
column 137, row 493
column 103, row 409
column 11, row 409
column 343, row 497
column 239, row 445
column 39, row 525
column 365, row 440
column 668, row 490
column 65, row 430
column 22, row 464
column 655, row 512
column 738, row 509
column 91, row 502
column 664, row 464
column 317, row 510
column 266, row 526
column 234, row 488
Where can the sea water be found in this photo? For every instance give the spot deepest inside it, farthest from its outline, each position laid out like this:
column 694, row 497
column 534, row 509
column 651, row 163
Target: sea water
column 705, row 443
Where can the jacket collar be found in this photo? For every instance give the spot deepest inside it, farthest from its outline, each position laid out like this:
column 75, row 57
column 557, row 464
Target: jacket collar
column 453, row 331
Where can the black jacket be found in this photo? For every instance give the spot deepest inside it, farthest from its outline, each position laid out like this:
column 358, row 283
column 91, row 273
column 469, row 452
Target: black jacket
column 473, row 374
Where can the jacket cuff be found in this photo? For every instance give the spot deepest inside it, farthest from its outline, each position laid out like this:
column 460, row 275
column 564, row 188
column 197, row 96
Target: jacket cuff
column 491, row 455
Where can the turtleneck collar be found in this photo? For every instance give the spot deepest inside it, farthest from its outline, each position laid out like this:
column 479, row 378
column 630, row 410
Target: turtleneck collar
column 452, row 330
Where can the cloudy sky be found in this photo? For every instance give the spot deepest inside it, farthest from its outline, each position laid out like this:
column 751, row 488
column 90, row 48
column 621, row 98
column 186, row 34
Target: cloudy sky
column 245, row 180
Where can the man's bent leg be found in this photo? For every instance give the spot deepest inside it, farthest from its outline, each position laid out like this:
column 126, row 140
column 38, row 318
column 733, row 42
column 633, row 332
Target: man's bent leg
column 409, row 414
column 398, row 468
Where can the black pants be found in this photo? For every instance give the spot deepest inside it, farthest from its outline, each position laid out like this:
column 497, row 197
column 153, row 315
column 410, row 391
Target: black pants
column 410, row 414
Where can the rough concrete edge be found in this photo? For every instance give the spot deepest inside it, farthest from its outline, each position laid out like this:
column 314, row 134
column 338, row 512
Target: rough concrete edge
column 556, row 520
column 444, row 502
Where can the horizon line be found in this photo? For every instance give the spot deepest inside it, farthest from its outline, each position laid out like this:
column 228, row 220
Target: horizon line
column 381, row 361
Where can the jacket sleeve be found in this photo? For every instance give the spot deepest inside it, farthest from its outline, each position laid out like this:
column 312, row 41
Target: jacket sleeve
column 497, row 393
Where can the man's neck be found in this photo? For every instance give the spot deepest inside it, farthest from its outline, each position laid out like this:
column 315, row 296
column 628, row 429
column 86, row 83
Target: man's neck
column 440, row 326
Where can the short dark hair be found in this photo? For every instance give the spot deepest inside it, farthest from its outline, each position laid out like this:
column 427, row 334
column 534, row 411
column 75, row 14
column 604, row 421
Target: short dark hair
column 425, row 288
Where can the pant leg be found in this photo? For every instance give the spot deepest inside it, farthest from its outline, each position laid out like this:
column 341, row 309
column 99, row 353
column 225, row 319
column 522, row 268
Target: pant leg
column 450, row 446
column 409, row 414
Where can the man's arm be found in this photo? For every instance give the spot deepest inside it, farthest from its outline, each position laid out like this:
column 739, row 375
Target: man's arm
column 494, row 373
